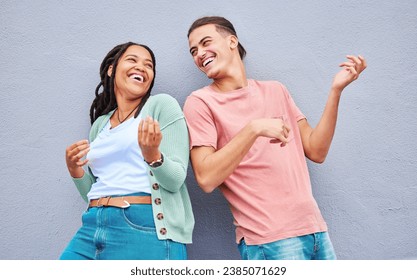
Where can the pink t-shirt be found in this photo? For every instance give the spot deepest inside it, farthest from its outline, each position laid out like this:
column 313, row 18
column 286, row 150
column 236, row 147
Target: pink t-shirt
column 269, row 193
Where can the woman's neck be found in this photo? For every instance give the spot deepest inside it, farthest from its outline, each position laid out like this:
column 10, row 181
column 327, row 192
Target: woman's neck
column 124, row 111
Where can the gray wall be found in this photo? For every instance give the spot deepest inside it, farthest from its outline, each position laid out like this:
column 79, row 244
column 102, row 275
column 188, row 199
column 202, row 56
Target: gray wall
column 50, row 55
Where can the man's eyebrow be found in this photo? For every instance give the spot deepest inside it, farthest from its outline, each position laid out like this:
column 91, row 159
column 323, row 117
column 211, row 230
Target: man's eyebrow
column 204, row 38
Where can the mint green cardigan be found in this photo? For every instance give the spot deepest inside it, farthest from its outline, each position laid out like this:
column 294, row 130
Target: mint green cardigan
column 168, row 180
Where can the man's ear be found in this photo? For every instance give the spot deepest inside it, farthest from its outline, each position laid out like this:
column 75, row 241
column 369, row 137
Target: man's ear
column 233, row 41
column 110, row 70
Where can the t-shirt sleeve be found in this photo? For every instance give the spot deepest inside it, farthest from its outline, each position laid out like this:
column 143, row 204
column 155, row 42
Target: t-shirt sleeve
column 201, row 126
column 293, row 108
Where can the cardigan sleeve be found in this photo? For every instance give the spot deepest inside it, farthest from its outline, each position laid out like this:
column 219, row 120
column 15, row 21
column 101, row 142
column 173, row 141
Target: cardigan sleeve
column 84, row 183
column 174, row 146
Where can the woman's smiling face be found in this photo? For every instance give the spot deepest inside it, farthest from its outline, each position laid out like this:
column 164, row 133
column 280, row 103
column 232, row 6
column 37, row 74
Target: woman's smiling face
column 134, row 72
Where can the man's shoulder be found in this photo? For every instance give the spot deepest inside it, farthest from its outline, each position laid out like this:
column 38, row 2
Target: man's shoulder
column 266, row 83
column 201, row 91
column 198, row 100
column 272, row 86
column 198, row 96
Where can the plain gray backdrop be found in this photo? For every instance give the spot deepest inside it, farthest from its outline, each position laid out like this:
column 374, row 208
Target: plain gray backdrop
column 50, row 55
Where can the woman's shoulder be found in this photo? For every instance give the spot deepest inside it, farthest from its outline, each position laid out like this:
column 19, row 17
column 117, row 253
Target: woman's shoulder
column 103, row 118
column 163, row 97
column 163, row 107
column 98, row 125
column 163, row 101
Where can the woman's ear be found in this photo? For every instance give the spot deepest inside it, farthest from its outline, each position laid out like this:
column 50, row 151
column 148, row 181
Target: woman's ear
column 110, row 70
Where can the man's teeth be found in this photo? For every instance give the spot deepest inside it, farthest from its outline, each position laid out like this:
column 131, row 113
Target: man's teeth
column 138, row 77
column 207, row 61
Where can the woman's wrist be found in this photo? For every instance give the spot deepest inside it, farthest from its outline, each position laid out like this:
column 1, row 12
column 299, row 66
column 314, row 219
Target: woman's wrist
column 76, row 172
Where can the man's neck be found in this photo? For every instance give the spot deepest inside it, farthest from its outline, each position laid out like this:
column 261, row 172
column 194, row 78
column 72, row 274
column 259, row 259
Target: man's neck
column 235, row 79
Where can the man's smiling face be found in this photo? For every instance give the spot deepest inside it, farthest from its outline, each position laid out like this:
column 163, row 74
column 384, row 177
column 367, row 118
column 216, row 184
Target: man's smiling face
column 210, row 49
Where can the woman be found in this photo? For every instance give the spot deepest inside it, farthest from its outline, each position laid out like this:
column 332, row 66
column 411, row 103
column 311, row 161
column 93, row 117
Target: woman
column 139, row 207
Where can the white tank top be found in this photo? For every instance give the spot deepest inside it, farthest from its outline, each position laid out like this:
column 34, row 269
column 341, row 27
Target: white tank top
column 115, row 158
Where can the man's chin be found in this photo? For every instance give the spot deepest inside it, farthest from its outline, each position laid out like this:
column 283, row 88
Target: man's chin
column 212, row 74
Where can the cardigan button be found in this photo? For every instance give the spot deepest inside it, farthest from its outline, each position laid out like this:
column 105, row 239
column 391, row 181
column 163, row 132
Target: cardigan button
column 157, row 201
column 155, row 186
column 163, row 231
column 160, row 216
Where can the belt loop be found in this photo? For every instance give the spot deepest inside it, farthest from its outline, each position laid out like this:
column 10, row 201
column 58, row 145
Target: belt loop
column 105, row 201
column 99, row 203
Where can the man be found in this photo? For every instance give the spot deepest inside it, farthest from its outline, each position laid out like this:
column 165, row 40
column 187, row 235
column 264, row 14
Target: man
column 249, row 139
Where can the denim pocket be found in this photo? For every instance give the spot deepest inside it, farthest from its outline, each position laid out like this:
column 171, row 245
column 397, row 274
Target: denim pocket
column 140, row 217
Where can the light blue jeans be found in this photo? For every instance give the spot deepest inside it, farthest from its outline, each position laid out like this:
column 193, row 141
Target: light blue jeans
column 315, row 246
column 110, row 233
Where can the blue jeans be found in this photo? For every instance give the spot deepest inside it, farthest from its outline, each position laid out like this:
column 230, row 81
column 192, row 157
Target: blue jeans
column 110, row 233
column 315, row 246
